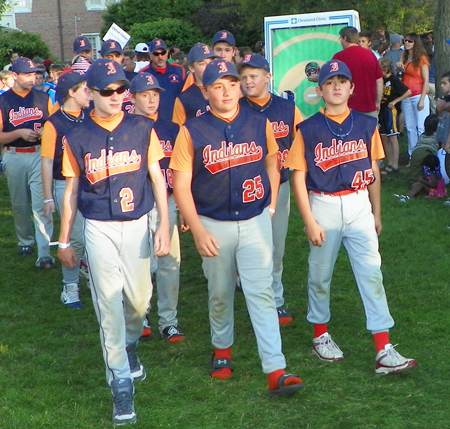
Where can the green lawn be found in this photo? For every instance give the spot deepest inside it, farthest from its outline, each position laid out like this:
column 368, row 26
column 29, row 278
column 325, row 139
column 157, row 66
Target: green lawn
column 52, row 372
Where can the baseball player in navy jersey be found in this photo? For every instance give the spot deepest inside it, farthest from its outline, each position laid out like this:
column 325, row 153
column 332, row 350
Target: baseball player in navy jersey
column 225, row 181
column 170, row 76
column 111, row 49
column 23, row 112
column 82, row 46
column 284, row 117
column 145, row 92
column 191, row 103
column 107, row 162
column 73, row 96
column 336, row 183
column 224, row 45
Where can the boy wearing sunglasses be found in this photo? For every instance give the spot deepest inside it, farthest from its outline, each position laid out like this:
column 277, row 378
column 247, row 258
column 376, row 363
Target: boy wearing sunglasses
column 111, row 165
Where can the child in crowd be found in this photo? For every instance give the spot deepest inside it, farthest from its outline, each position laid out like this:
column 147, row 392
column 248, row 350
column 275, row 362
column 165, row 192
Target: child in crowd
column 430, row 183
column 393, row 92
column 336, row 183
column 7, row 80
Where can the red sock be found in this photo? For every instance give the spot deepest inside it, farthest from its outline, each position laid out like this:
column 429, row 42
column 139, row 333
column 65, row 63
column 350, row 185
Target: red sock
column 381, row 339
column 320, row 329
column 274, row 376
column 223, row 373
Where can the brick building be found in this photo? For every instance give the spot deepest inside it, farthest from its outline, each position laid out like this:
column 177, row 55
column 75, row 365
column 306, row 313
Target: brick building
column 58, row 22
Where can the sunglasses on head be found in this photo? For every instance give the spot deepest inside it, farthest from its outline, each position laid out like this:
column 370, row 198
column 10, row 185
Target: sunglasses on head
column 109, row 92
column 159, row 54
column 409, row 41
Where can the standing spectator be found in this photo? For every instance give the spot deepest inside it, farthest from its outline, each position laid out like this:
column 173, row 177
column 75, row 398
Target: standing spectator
column 142, row 57
column 128, row 60
column 395, row 53
column 13, row 57
column 416, row 108
column 366, row 72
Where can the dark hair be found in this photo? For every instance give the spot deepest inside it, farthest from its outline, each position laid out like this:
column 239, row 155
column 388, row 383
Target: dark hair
column 259, row 47
column 431, row 161
column 446, row 74
column 130, row 54
column 366, row 34
column 428, row 46
column 40, row 72
column 431, row 124
column 244, row 50
column 418, row 50
column 349, row 33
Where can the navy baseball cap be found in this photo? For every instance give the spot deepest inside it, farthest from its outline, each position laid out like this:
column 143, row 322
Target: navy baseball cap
column 200, row 52
column 157, row 44
column 109, row 46
column 254, row 60
column 68, row 81
column 103, row 72
column 23, row 65
column 224, row 36
column 333, row 68
column 217, row 69
column 81, row 44
column 143, row 82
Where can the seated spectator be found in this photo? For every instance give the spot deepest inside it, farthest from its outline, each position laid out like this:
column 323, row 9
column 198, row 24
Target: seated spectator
column 430, row 183
column 426, row 145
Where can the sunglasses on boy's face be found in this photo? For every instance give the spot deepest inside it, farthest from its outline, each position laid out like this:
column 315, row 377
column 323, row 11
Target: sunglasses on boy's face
column 109, row 92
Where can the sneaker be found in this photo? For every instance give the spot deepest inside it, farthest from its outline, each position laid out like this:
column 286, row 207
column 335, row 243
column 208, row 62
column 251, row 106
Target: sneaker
column 146, row 331
column 136, row 368
column 447, row 203
column 284, row 316
column 70, row 295
column 45, row 262
column 403, row 199
column 84, row 272
column 326, row 349
column 25, row 250
column 123, row 401
column 390, row 361
column 172, row 335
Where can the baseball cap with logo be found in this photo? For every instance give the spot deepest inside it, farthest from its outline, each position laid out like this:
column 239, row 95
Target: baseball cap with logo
column 141, row 48
column 81, row 44
column 143, row 82
column 157, row 44
column 104, row 72
column 67, row 81
column 23, row 65
column 109, row 46
column 224, row 36
column 217, row 69
column 200, row 52
column 333, row 68
column 254, row 60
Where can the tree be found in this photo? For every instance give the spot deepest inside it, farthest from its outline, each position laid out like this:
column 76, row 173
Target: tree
column 130, row 12
column 26, row 44
column 441, row 47
column 172, row 31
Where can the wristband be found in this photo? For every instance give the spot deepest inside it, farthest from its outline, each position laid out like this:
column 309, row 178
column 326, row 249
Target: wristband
column 63, row 245
column 49, row 201
column 271, row 210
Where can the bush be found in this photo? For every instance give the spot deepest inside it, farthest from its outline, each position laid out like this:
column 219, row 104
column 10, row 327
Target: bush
column 172, row 31
column 25, row 44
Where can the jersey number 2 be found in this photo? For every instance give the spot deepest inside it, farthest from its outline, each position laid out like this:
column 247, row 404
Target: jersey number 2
column 253, row 189
column 126, row 201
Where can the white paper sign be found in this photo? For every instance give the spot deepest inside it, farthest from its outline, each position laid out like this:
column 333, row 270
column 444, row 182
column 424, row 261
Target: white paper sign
column 117, row 34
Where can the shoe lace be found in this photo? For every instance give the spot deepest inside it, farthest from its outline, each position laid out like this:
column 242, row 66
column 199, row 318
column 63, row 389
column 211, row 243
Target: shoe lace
column 393, row 354
column 330, row 344
column 132, row 356
column 71, row 292
column 124, row 403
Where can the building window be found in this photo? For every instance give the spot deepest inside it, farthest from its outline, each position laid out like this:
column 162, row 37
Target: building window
column 98, row 4
column 20, row 6
column 94, row 39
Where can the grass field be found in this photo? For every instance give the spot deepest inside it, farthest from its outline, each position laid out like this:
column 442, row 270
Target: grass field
column 52, row 372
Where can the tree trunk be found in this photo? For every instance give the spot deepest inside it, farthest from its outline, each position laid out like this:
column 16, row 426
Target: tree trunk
column 441, row 47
